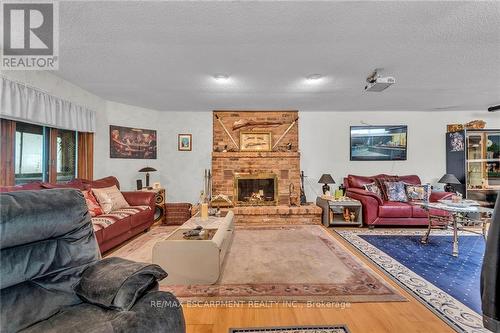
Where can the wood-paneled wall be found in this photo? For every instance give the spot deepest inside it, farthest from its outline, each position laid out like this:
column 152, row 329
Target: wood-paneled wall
column 86, row 155
column 7, row 148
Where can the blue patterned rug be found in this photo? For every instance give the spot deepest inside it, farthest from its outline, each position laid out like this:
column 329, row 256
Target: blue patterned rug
column 448, row 285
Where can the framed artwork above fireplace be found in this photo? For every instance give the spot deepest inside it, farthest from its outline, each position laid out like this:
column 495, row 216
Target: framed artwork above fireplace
column 255, row 141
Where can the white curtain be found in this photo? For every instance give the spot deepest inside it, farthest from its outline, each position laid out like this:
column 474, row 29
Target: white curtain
column 18, row 102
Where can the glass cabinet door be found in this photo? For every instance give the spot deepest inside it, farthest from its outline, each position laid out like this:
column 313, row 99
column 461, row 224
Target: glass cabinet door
column 492, row 159
column 475, row 168
column 483, row 166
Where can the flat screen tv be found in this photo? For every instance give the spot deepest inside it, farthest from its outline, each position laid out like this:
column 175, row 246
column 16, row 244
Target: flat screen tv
column 378, row 143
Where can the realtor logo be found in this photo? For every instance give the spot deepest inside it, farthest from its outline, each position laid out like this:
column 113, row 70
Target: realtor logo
column 30, row 35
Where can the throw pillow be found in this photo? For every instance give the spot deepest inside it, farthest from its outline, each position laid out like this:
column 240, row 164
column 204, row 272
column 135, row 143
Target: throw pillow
column 418, row 192
column 373, row 188
column 396, row 191
column 113, row 194
column 92, row 204
column 380, row 181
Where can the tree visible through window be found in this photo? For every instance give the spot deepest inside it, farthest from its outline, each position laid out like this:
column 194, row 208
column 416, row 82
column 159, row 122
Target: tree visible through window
column 66, row 155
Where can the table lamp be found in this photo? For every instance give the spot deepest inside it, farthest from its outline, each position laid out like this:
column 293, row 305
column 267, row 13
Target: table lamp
column 449, row 179
column 147, row 170
column 326, row 179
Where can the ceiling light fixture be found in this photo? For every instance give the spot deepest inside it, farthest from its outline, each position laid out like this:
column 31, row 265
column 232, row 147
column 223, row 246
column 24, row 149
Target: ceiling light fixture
column 314, row 77
column 221, row 78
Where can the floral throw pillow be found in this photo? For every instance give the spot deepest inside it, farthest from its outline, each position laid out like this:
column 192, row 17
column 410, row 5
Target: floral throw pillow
column 396, row 191
column 373, row 188
column 418, row 192
column 92, row 204
column 380, row 181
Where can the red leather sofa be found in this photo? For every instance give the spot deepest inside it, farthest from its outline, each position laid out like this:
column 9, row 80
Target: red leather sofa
column 124, row 228
column 377, row 211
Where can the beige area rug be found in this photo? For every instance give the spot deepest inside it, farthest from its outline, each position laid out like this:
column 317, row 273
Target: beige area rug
column 279, row 263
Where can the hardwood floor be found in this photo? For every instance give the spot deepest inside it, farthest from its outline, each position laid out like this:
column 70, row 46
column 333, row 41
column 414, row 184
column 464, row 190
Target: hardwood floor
column 398, row 317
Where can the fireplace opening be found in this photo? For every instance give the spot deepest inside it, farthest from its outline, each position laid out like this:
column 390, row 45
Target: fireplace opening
column 256, row 189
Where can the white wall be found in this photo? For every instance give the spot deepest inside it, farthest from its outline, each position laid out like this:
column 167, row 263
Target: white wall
column 324, row 143
column 179, row 171
column 324, row 140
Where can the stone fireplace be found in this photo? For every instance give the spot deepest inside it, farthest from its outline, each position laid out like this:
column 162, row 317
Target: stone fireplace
column 259, row 182
column 255, row 189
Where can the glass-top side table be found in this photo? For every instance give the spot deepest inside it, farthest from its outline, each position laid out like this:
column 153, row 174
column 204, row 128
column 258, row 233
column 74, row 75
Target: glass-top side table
column 456, row 215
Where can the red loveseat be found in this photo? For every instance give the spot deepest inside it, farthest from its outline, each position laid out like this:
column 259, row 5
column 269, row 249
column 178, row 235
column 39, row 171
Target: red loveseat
column 116, row 227
column 377, row 211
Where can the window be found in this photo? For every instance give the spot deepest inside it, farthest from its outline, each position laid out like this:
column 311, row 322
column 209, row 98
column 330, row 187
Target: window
column 34, row 151
column 30, row 164
column 66, row 155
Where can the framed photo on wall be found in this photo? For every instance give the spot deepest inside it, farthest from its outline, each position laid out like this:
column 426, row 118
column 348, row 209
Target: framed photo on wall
column 184, row 142
column 379, row 143
column 133, row 143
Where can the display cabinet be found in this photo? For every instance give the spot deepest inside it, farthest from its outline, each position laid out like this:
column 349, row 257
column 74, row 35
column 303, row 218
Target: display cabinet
column 473, row 156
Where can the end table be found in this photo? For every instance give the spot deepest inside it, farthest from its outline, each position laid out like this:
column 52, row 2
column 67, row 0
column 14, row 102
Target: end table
column 334, row 209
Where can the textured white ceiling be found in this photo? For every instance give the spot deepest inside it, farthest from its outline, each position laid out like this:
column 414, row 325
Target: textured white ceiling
column 161, row 55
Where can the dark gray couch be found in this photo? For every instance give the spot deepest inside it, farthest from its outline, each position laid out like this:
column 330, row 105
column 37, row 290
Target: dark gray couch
column 53, row 279
column 490, row 274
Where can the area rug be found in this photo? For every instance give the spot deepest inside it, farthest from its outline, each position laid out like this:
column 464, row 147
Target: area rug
column 447, row 285
column 293, row 329
column 280, row 263
column 140, row 248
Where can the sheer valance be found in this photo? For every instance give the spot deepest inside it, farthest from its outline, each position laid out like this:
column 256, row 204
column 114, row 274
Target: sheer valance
column 18, row 102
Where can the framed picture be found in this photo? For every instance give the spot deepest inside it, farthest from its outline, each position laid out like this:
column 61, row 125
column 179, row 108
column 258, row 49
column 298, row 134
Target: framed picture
column 457, row 141
column 128, row 142
column 184, row 142
column 379, row 143
column 255, row 141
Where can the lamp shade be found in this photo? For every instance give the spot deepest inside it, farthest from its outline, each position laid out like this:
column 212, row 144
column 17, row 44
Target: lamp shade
column 326, row 179
column 147, row 169
column 449, row 179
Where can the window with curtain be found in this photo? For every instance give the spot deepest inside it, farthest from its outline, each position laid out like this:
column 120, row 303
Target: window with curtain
column 44, row 154
column 30, row 145
column 66, row 155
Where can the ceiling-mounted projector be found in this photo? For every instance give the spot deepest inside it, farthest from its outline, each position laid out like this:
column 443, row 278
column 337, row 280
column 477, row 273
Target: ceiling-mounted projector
column 380, row 83
column 376, row 83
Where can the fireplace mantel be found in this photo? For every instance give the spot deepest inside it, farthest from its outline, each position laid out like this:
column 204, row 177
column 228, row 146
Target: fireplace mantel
column 269, row 154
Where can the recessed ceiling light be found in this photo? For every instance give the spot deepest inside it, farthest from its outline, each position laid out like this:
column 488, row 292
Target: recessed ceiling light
column 314, row 77
column 221, row 77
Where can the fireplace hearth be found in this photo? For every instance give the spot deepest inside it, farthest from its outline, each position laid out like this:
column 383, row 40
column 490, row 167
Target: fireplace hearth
column 256, row 189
